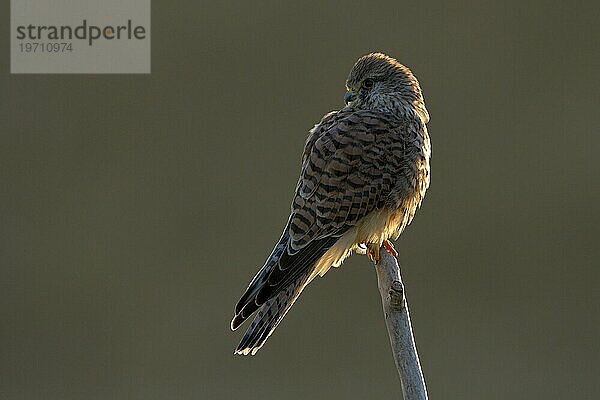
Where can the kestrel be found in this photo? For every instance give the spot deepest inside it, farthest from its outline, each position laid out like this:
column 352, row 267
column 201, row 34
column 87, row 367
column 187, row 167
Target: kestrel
column 365, row 170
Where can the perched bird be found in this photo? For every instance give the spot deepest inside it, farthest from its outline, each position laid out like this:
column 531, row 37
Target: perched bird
column 365, row 170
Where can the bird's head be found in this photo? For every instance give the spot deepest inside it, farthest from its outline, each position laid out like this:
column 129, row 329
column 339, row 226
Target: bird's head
column 379, row 82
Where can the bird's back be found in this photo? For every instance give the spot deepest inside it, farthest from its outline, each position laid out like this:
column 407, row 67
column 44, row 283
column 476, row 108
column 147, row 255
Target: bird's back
column 363, row 175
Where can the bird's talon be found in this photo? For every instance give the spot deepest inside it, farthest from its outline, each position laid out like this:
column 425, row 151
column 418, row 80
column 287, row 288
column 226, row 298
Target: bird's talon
column 390, row 248
column 372, row 252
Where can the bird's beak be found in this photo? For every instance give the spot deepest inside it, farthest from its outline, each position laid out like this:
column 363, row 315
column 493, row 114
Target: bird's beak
column 349, row 97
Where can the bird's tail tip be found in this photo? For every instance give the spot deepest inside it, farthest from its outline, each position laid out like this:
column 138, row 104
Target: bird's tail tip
column 246, row 351
column 265, row 322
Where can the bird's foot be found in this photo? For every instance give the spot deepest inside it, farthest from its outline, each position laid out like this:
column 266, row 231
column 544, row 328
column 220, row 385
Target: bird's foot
column 373, row 252
column 390, row 248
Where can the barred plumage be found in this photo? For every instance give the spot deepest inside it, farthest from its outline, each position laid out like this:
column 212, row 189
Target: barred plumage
column 365, row 170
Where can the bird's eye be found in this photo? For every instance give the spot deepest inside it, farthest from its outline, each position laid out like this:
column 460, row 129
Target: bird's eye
column 368, row 83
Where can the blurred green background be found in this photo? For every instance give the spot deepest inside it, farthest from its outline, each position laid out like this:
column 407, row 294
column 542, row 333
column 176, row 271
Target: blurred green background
column 135, row 209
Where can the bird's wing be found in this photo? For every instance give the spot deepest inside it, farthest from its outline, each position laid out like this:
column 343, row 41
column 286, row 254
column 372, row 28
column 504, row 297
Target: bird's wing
column 350, row 163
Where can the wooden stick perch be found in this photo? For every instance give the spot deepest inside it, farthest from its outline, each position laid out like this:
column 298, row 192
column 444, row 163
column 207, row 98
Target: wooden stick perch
column 397, row 319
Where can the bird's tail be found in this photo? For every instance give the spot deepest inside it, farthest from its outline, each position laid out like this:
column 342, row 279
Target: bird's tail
column 269, row 316
column 274, row 290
